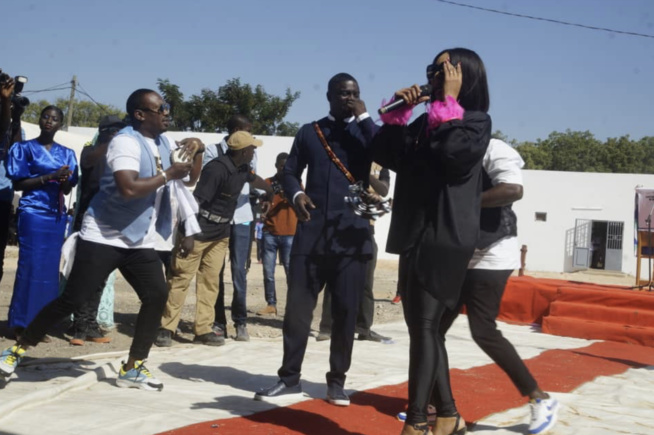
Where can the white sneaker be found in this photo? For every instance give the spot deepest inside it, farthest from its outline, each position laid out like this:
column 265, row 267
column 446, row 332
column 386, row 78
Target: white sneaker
column 543, row 415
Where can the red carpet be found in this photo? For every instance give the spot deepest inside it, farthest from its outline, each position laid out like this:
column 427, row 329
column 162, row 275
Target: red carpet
column 479, row 392
column 581, row 310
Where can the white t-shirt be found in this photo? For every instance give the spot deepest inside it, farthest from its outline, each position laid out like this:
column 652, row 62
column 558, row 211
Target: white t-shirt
column 124, row 154
column 503, row 164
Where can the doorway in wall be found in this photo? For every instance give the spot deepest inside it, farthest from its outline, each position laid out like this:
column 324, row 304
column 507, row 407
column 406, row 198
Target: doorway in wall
column 598, row 245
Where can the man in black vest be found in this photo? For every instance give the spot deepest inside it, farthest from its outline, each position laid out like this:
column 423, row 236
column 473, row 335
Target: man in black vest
column 332, row 245
column 495, row 258
column 217, row 193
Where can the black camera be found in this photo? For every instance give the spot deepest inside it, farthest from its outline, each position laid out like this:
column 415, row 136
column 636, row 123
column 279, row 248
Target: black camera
column 18, row 101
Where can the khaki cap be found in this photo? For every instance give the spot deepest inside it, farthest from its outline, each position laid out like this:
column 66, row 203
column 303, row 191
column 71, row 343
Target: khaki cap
column 242, row 139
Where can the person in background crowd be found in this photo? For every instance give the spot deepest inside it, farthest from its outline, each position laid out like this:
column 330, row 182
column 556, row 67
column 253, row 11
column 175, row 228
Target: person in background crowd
column 6, row 139
column 240, row 242
column 258, row 235
column 86, row 321
column 44, row 171
column 279, row 224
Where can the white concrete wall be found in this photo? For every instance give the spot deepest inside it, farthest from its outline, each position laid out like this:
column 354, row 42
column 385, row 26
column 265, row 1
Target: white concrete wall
column 566, row 196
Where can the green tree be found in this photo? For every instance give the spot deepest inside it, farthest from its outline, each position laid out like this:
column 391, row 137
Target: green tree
column 535, row 155
column 179, row 109
column 497, row 134
column 85, row 113
column 210, row 110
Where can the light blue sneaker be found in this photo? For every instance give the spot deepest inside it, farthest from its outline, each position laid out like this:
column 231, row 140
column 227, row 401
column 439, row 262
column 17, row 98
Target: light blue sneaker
column 543, row 415
column 9, row 359
column 138, row 377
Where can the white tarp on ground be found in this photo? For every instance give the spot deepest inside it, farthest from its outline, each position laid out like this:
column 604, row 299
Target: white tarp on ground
column 204, row 383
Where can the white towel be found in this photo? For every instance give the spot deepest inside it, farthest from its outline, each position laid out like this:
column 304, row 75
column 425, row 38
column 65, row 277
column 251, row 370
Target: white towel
column 68, row 254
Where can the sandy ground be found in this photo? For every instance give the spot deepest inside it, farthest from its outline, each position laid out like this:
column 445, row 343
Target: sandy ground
column 127, row 304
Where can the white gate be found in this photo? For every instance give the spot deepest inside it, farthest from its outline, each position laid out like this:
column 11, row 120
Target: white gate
column 614, row 232
column 582, row 246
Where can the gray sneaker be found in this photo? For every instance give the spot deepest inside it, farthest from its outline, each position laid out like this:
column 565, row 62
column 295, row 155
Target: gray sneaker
column 164, row 338
column 242, row 333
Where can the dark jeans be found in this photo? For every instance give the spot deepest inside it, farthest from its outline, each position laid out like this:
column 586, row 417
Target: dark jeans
column 5, row 217
column 93, row 264
column 481, row 294
column 345, row 277
column 239, row 247
column 366, row 312
column 272, row 244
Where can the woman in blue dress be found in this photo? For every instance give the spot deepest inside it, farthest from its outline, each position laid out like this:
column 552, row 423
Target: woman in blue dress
column 44, row 171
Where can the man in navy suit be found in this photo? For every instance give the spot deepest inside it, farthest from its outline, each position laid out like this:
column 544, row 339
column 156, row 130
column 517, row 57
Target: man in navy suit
column 332, row 245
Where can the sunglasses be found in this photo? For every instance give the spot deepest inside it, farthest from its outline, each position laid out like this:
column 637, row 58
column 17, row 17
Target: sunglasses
column 162, row 110
column 433, row 70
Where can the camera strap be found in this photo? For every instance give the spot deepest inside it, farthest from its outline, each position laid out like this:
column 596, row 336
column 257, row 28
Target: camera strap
column 332, row 155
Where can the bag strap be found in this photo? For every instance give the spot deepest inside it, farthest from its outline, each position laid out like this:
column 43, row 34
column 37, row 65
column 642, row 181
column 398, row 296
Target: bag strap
column 332, row 155
column 219, row 149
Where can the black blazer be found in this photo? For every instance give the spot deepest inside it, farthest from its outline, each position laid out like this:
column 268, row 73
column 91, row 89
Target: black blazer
column 437, row 198
column 334, row 229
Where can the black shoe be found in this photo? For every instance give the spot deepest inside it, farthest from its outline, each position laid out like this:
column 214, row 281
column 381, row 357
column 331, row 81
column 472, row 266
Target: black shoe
column 336, row 395
column 242, row 333
column 210, row 339
column 279, row 392
column 373, row 336
column 164, row 338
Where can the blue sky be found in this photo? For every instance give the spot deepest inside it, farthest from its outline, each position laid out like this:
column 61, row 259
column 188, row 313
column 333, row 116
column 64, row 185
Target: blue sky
column 543, row 77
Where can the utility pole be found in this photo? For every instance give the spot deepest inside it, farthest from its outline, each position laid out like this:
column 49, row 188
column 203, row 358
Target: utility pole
column 71, row 101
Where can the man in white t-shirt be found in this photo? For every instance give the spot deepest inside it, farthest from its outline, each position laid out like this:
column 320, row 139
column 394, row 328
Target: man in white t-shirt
column 495, row 258
column 118, row 232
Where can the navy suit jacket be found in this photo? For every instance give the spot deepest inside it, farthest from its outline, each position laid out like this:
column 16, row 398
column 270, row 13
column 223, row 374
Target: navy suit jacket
column 334, row 228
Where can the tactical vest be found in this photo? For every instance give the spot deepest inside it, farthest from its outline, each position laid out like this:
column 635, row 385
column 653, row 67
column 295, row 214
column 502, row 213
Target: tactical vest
column 495, row 223
column 224, row 201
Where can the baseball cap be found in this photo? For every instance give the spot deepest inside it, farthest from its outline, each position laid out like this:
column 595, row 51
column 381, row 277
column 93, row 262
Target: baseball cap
column 242, row 139
column 111, row 121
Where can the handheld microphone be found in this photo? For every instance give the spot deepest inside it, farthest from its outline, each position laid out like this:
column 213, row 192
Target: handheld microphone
column 425, row 91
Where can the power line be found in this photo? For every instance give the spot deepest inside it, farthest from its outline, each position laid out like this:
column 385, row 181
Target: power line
column 51, row 88
column 549, row 20
column 82, row 91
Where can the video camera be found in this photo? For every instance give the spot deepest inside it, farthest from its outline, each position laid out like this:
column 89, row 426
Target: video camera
column 358, row 200
column 18, row 101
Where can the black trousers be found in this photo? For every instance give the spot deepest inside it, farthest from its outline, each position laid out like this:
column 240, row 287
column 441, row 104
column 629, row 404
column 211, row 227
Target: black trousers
column 481, row 294
column 85, row 318
column 5, row 217
column 427, row 355
column 366, row 313
column 93, row 264
column 345, row 278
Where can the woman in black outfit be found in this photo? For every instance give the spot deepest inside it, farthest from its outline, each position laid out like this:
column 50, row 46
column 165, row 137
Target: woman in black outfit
column 435, row 221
